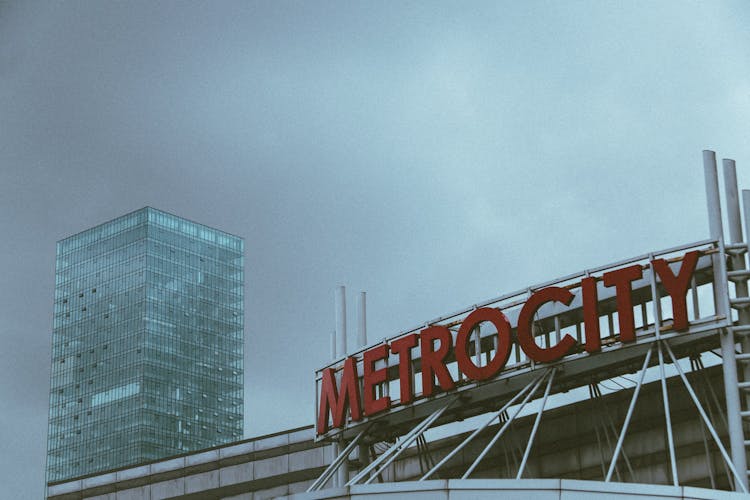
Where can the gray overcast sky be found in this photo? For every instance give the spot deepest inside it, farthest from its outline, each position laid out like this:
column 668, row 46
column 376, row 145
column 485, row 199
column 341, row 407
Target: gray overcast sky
column 433, row 154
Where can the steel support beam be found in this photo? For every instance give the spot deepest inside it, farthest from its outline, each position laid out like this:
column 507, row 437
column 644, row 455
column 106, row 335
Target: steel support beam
column 336, row 463
column 505, row 426
column 629, row 415
column 534, row 383
column 721, row 296
column 394, row 451
column 667, row 416
column 734, row 221
column 527, row 452
column 708, row 423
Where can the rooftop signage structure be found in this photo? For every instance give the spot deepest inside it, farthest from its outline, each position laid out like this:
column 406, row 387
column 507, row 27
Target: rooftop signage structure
column 491, row 358
column 435, row 343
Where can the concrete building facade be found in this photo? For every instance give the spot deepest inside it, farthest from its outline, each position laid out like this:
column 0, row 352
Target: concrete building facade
column 572, row 453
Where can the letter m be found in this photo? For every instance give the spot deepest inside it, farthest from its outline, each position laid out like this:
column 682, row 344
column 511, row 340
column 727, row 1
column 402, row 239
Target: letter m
column 335, row 401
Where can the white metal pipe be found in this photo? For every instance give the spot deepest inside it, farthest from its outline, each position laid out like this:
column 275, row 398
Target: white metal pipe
column 336, row 451
column 629, row 415
column 746, row 213
column 340, row 304
column 363, row 451
column 694, row 294
column 735, row 425
column 667, row 415
column 362, row 319
column 729, row 363
column 477, row 334
column 655, row 301
column 502, row 430
column 713, row 202
column 739, row 478
column 527, row 452
column 734, row 221
column 342, row 472
column 471, row 436
column 333, row 345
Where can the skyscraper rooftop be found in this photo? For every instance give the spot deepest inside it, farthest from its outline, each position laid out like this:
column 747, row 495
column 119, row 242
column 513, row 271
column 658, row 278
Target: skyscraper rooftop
column 147, row 344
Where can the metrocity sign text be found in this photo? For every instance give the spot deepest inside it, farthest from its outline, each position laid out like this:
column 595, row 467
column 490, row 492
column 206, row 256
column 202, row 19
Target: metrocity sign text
column 336, row 399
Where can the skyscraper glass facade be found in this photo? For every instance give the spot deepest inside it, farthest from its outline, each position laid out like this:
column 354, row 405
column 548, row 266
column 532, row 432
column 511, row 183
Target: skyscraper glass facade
column 147, row 343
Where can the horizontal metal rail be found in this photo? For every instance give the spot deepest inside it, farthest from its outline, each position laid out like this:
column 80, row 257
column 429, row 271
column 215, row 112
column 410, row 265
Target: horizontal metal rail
column 523, row 292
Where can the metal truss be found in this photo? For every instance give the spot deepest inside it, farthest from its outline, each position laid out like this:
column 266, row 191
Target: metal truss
column 529, row 390
column 337, row 461
column 384, row 460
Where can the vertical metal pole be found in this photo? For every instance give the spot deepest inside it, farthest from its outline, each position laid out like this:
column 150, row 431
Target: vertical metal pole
column 729, row 362
column 333, row 345
column 694, row 294
column 667, row 415
column 362, row 319
column 340, row 321
column 734, row 221
column 746, row 212
column 655, row 300
column 477, row 334
column 363, row 450
column 342, row 473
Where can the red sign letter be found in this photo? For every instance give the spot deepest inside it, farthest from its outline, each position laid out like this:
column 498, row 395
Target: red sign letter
column 337, row 401
column 591, row 315
column 373, row 377
column 621, row 280
column 465, row 363
column 403, row 347
column 525, row 319
column 433, row 362
column 677, row 286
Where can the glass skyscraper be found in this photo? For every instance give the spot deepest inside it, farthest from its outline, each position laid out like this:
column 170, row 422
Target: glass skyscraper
column 147, row 343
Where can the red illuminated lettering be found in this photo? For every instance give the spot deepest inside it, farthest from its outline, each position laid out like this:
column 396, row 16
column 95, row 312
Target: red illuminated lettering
column 622, row 279
column 372, row 377
column 525, row 325
column 433, row 361
column 402, row 347
column 591, row 315
column 348, row 395
column 677, row 286
column 465, row 363
column 335, row 401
